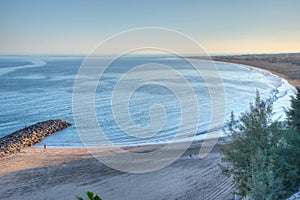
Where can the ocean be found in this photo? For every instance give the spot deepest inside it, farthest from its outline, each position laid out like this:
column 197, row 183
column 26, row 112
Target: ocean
column 37, row 88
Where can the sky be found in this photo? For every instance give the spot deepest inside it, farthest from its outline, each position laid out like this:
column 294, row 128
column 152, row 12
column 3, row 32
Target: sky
column 78, row 26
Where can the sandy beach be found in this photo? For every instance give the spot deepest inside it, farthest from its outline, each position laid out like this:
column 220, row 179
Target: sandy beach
column 37, row 173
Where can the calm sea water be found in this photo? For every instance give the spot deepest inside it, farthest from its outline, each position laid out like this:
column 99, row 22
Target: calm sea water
column 37, row 88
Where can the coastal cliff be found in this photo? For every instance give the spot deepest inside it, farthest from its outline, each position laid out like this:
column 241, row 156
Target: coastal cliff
column 29, row 136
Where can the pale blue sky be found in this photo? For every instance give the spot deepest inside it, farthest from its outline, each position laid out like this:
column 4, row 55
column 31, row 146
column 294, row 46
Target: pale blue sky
column 221, row 26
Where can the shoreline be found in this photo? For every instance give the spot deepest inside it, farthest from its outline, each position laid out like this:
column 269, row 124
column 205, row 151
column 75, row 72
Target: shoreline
column 284, row 65
column 204, row 135
column 35, row 172
column 293, row 82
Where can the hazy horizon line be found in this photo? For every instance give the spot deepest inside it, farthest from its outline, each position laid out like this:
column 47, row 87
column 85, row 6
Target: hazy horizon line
column 111, row 54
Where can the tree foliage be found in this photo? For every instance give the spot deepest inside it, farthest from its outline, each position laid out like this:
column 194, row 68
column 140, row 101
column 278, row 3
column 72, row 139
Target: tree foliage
column 91, row 196
column 262, row 154
column 294, row 112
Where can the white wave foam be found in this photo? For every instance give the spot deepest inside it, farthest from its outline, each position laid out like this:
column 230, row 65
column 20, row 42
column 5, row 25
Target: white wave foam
column 36, row 62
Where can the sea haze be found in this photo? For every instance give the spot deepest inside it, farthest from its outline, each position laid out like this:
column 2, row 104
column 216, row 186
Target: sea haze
column 38, row 88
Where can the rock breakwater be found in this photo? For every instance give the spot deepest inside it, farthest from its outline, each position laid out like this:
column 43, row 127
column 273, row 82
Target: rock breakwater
column 30, row 135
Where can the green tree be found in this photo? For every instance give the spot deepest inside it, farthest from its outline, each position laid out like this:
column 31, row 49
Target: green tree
column 288, row 162
column 260, row 154
column 294, row 112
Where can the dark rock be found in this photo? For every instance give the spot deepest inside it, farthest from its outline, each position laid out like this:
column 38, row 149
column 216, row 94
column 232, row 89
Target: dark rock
column 29, row 136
